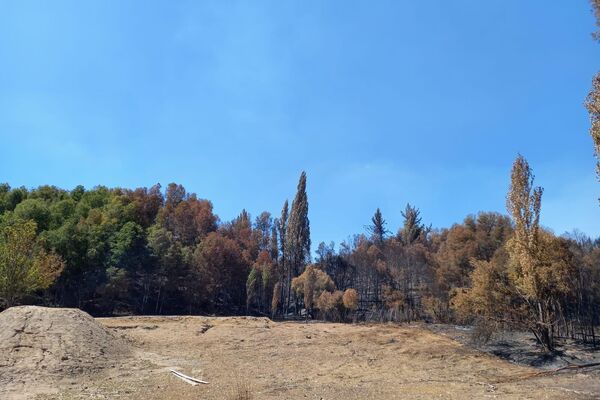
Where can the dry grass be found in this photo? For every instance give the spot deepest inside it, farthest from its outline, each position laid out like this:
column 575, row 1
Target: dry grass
column 256, row 358
column 241, row 390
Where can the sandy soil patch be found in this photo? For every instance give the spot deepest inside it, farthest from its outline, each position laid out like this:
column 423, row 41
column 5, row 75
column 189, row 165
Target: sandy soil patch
column 42, row 346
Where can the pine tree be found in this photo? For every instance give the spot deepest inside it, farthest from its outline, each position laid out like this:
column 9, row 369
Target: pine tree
column 377, row 229
column 412, row 227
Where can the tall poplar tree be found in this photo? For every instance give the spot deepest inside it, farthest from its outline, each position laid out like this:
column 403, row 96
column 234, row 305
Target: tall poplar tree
column 596, row 9
column 297, row 236
column 592, row 102
column 593, row 106
column 282, row 288
column 523, row 202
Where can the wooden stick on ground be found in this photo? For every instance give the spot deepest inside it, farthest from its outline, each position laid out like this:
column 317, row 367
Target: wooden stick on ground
column 570, row 366
column 188, row 379
column 550, row 372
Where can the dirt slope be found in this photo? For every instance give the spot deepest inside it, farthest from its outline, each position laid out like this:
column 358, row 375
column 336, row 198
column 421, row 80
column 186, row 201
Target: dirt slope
column 39, row 345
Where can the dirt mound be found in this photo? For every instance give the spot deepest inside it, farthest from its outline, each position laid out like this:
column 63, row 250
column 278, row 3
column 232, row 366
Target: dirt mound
column 36, row 342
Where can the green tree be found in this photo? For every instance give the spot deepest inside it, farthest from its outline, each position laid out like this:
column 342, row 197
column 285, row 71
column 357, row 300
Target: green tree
column 171, row 268
column 284, row 272
column 377, row 228
column 25, row 266
column 412, row 228
column 297, row 239
column 263, row 227
column 129, row 264
column 253, row 289
column 36, row 210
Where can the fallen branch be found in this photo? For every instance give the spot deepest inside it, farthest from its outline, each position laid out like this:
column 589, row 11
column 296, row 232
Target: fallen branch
column 188, row 379
column 566, row 367
column 550, row 372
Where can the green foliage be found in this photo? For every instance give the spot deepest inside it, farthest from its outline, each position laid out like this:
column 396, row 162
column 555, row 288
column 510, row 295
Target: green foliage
column 377, row 227
column 24, row 265
column 296, row 242
column 253, row 288
column 34, row 209
column 124, row 251
column 297, row 239
column 412, row 228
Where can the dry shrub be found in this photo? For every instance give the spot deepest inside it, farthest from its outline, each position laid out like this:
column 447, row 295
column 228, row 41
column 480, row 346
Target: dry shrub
column 241, row 390
column 316, row 279
column 330, row 305
column 435, row 309
column 395, row 302
column 350, row 299
column 483, row 331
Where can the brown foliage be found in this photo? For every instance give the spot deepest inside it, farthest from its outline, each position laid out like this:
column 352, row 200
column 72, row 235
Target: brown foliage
column 592, row 104
column 146, row 204
column 489, row 294
column 350, row 299
column 222, row 270
column 596, row 8
column 189, row 219
column 330, row 304
column 527, row 292
column 313, row 280
column 276, row 300
column 476, row 238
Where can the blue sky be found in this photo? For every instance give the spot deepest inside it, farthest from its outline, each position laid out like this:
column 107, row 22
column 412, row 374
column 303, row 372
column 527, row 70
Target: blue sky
column 381, row 102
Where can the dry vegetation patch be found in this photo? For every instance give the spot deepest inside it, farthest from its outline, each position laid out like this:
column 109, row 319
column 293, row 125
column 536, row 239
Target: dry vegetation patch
column 256, row 358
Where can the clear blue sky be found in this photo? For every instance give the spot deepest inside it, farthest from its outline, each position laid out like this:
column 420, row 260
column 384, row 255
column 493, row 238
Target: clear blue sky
column 381, row 102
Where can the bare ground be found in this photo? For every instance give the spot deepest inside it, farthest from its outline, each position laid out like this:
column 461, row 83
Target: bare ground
column 294, row 360
column 39, row 346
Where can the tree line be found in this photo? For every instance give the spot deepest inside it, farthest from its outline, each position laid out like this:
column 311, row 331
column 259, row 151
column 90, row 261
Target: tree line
column 114, row 251
column 149, row 251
